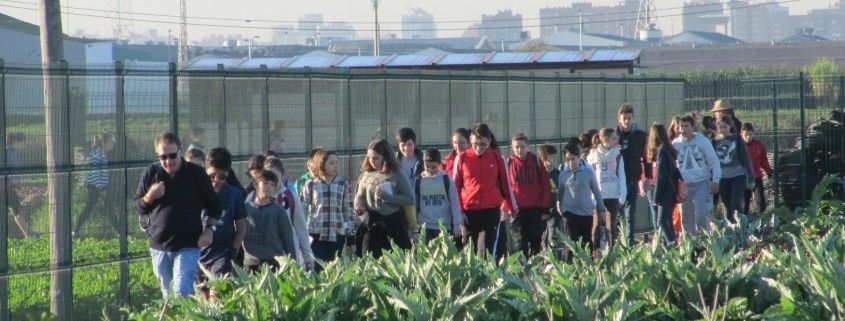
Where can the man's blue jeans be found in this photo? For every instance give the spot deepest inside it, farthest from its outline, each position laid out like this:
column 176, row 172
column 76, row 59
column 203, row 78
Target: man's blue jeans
column 179, row 267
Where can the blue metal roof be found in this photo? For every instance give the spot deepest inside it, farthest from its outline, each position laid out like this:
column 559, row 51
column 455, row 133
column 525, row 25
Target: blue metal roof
column 411, row 60
column 462, row 59
column 360, row 61
column 561, row 56
column 212, row 62
column 328, row 60
column 271, row 63
column 312, row 62
column 614, row 55
column 511, row 58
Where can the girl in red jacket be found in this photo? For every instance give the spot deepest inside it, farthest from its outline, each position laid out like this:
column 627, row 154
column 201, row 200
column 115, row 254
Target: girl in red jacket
column 460, row 143
column 482, row 183
column 532, row 190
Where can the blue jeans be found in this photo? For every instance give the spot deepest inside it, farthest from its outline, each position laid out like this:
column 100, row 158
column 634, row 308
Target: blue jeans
column 629, row 209
column 179, row 266
column 664, row 216
column 326, row 251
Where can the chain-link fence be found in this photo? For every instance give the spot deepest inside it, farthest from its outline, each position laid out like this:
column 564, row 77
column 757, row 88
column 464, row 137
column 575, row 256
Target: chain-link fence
column 245, row 111
column 799, row 118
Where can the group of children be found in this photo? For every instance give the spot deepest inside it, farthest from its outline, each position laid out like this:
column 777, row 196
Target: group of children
column 476, row 190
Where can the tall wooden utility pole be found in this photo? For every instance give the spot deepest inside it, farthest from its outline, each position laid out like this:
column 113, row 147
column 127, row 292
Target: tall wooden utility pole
column 58, row 183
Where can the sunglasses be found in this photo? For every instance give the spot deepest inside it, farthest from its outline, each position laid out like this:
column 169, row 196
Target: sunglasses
column 170, row 156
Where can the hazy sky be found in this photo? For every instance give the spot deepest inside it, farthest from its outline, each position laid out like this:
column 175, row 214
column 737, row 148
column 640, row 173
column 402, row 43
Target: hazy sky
column 357, row 12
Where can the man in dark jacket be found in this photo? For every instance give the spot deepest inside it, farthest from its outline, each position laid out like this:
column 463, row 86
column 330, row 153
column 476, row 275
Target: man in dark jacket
column 170, row 198
column 632, row 141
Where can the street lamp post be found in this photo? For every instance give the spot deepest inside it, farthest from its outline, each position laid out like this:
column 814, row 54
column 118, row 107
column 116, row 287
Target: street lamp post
column 376, row 41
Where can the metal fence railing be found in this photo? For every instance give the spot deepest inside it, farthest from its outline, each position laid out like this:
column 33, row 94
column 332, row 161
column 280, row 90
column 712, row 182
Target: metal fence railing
column 799, row 118
column 244, row 111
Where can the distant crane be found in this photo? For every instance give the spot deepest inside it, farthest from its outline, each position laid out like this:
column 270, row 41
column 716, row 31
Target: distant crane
column 182, row 50
column 647, row 22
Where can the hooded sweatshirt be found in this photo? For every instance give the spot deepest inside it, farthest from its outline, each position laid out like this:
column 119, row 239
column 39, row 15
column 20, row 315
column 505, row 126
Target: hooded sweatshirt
column 577, row 191
column 268, row 233
column 697, row 160
column 482, row 181
column 530, row 181
column 610, row 172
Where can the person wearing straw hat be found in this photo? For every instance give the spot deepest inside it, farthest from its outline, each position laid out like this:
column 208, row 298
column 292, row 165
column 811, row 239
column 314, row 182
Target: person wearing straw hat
column 723, row 107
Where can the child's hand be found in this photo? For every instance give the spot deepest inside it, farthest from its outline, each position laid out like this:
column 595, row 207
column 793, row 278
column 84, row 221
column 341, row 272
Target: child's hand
column 359, row 210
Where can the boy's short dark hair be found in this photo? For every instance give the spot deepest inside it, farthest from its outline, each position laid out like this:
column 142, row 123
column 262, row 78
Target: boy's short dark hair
column 195, row 153
column 266, row 176
column 219, row 157
column 405, row 134
column 270, row 153
column 167, row 138
column 572, row 149
column 625, row 109
column 431, row 155
column 275, row 163
column 546, row 150
column 687, row 119
column 255, row 162
column 748, row 127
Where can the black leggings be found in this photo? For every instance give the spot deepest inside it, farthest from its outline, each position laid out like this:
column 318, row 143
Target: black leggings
column 381, row 229
column 481, row 226
column 528, row 229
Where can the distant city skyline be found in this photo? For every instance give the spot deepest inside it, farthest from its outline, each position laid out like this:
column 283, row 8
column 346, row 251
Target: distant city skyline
column 452, row 18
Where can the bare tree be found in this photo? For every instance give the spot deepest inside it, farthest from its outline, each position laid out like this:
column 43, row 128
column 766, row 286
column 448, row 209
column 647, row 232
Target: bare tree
column 58, row 183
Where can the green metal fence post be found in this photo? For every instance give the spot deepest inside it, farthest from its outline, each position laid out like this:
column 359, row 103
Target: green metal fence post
column 120, row 147
column 418, row 122
column 265, row 110
column 776, row 185
column 479, row 105
column 3, row 111
column 558, row 107
column 223, row 121
column 4, row 209
column 174, row 98
column 842, row 93
column 804, row 169
column 347, row 117
column 532, row 108
column 385, row 129
column 507, row 113
column 309, row 119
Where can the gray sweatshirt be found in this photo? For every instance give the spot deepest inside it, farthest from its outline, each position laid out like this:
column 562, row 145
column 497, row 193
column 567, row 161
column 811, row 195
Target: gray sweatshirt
column 437, row 205
column 397, row 192
column 577, row 191
column 697, row 159
column 268, row 233
column 733, row 156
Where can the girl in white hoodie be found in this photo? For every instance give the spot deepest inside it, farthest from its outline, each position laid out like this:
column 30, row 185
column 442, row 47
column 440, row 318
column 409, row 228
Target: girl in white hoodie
column 606, row 160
